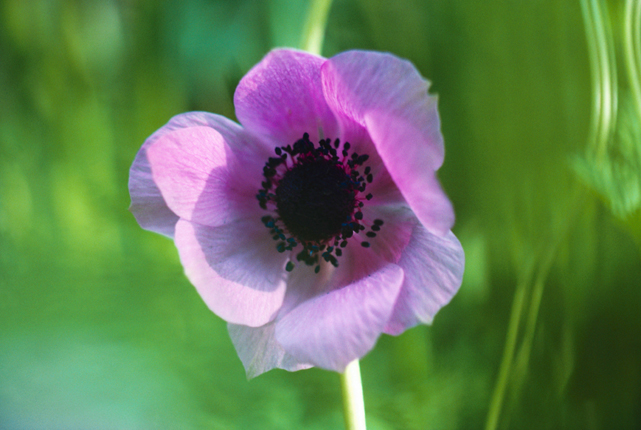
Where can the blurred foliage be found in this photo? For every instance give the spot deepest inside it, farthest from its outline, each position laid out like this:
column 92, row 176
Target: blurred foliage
column 100, row 330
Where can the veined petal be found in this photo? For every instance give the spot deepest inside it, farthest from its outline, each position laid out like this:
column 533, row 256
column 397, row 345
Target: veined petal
column 358, row 82
column 384, row 190
column 433, row 268
column 358, row 261
column 194, row 169
column 234, row 268
column 408, row 164
column 281, row 98
column 257, row 346
column 333, row 329
column 393, row 237
column 147, row 203
column 304, row 284
column 258, row 350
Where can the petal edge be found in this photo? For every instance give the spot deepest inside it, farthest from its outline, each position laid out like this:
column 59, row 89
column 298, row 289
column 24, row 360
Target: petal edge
column 433, row 268
column 333, row 329
column 231, row 290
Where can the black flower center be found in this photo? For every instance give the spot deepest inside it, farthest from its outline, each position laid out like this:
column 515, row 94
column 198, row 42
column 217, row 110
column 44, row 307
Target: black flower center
column 316, row 194
column 315, row 198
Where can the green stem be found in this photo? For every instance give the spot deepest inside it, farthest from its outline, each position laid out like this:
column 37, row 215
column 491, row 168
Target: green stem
column 353, row 404
column 595, row 71
column 574, row 208
column 513, row 370
column 603, row 73
column 496, row 404
column 632, row 45
column 314, row 30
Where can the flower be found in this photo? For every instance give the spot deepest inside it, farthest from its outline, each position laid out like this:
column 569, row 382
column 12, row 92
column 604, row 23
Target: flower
column 318, row 224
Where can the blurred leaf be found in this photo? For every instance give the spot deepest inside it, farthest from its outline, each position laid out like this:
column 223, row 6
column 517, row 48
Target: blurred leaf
column 616, row 177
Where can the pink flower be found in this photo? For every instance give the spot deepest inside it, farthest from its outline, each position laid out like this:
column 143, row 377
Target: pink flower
column 319, row 223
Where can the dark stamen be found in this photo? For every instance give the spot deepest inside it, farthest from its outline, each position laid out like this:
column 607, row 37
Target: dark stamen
column 316, row 199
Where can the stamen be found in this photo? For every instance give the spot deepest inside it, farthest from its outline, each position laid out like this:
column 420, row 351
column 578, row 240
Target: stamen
column 316, row 199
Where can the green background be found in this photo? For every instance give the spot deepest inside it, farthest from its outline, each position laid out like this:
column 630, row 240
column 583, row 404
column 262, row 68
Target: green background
column 99, row 329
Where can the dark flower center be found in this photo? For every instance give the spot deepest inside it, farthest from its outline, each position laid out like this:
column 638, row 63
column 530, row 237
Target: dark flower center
column 314, row 199
column 316, row 195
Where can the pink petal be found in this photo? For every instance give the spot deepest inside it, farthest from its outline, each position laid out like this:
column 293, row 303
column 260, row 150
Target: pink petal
column 258, row 350
column 235, row 268
column 281, row 98
column 147, row 203
column 384, row 189
column 201, row 179
column 387, row 247
column 393, row 237
column 408, row 164
column 335, row 328
column 358, row 82
column 433, row 269
column 257, row 347
column 304, row 284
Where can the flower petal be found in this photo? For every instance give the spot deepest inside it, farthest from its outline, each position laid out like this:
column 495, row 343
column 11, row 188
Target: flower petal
column 281, row 98
column 235, row 268
column 257, row 347
column 393, row 236
column 147, row 203
column 358, row 82
column 197, row 174
column 303, row 284
column 408, row 164
column 258, row 350
column 433, row 269
column 333, row 329
column 384, row 190
column 387, row 247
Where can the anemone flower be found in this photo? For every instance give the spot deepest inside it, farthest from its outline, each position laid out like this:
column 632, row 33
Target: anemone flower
column 318, row 223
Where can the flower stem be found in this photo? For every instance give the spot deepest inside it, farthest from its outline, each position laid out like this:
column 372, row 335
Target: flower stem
column 353, row 404
column 530, row 288
column 496, row 403
column 314, row 30
column 632, row 45
column 603, row 73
